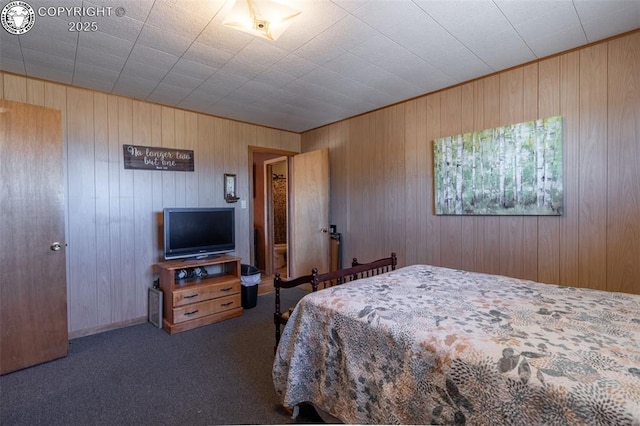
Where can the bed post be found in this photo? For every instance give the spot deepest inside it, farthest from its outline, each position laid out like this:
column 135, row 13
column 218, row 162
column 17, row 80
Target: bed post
column 314, row 281
column 276, row 316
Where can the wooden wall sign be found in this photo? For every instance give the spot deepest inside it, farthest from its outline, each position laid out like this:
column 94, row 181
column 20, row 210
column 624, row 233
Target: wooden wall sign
column 157, row 158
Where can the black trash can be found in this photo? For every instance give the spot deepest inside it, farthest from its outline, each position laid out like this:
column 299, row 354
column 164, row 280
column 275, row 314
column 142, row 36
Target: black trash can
column 250, row 278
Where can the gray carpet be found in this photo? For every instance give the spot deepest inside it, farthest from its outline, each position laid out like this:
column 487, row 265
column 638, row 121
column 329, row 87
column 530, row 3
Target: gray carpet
column 140, row 375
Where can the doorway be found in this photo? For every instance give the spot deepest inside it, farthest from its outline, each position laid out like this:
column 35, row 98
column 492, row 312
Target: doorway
column 270, row 211
column 276, row 214
column 306, row 179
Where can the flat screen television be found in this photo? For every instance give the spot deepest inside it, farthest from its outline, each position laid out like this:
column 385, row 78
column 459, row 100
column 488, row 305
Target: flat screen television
column 198, row 232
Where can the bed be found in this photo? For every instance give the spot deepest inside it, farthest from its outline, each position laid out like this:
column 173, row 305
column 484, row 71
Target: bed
column 317, row 280
column 432, row 345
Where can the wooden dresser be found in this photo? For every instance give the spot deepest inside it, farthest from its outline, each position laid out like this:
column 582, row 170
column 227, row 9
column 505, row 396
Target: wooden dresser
column 196, row 301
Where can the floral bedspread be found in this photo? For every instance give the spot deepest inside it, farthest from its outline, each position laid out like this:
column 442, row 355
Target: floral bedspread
column 431, row 345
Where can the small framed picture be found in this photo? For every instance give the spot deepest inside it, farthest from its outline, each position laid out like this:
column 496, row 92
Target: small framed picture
column 230, row 188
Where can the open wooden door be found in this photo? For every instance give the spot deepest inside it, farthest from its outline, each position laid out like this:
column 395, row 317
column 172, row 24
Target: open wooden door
column 309, row 238
column 33, row 295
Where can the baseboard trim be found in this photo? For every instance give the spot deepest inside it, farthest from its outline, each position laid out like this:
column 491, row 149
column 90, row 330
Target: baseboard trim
column 103, row 328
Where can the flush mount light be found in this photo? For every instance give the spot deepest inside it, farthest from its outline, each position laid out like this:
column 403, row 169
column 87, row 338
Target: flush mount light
column 263, row 18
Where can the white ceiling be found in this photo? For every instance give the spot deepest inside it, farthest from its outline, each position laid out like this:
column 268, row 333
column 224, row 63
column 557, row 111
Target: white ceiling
column 338, row 59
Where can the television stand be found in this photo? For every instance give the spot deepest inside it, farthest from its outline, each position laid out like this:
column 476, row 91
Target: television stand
column 194, row 302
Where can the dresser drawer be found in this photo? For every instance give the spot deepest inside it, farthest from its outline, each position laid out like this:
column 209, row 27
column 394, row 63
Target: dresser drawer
column 200, row 293
column 208, row 307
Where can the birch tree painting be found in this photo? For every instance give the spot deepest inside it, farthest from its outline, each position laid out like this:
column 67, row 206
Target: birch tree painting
column 510, row 170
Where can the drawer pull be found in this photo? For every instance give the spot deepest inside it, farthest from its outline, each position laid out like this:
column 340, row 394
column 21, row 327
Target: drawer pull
column 191, row 313
column 227, row 304
column 191, row 296
column 226, row 289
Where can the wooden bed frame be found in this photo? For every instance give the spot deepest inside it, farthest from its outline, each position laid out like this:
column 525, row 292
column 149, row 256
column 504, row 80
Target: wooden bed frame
column 328, row 279
column 461, row 347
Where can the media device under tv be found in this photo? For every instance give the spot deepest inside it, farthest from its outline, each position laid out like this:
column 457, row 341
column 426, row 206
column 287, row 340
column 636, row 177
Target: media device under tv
column 198, row 232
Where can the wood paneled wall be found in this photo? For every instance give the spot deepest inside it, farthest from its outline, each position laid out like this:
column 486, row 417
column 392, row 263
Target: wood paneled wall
column 112, row 213
column 382, row 178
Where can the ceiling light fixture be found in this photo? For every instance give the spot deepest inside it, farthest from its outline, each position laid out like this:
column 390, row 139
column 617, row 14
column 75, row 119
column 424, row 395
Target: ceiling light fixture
column 263, row 18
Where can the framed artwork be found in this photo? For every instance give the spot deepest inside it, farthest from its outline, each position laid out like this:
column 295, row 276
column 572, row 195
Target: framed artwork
column 230, row 188
column 510, row 170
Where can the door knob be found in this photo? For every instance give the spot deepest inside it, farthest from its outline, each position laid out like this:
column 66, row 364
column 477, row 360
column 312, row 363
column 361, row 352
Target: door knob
column 324, row 230
column 56, row 246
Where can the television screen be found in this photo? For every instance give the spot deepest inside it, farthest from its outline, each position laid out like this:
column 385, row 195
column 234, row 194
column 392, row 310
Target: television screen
column 198, row 232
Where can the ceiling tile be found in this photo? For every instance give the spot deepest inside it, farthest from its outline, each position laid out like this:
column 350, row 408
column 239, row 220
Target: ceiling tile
column 199, row 97
column 605, row 19
column 370, row 75
column 194, row 104
column 386, row 54
column 294, row 65
column 186, row 18
column 348, row 33
column 159, row 39
column 51, row 30
column 350, row 5
column 102, row 43
column 91, row 76
column 319, row 90
column 549, row 43
column 482, row 28
column 42, row 59
column 252, row 92
column 49, row 46
column 261, row 52
column 316, row 18
column 182, row 81
column 222, row 83
column 501, row 50
column 274, row 78
column 10, row 46
column 100, row 59
column 153, row 58
column 193, row 69
column 481, row 15
column 339, row 58
column 207, row 55
column 134, row 86
column 144, row 72
column 168, row 94
column 225, row 39
column 12, row 65
column 133, row 9
column 411, row 27
column 319, row 52
column 243, row 66
column 48, row 72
